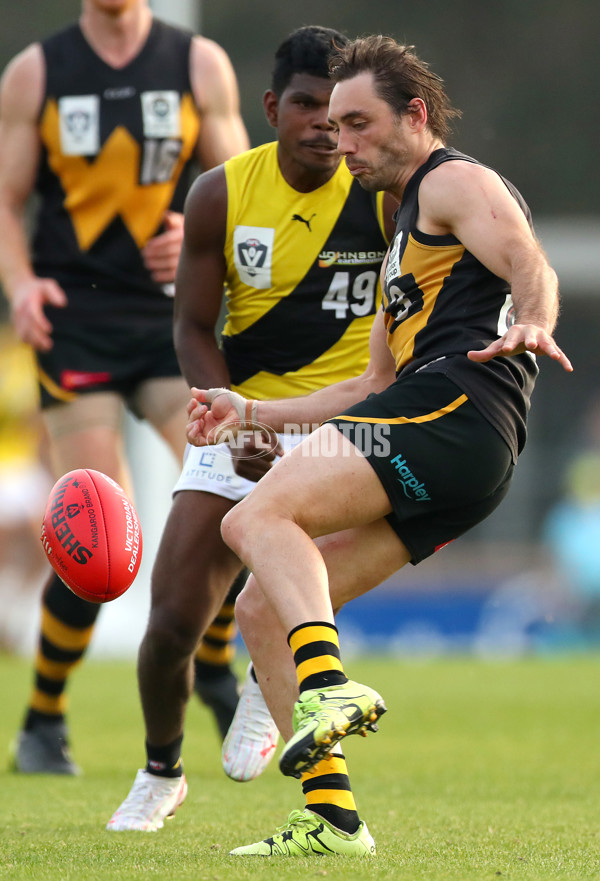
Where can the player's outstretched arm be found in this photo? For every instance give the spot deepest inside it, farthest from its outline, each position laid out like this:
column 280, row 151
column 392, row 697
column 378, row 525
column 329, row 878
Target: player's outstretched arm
column 214, row 414
column 474, row 204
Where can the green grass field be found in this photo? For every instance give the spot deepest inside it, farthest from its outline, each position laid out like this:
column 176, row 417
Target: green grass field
column 481, row 770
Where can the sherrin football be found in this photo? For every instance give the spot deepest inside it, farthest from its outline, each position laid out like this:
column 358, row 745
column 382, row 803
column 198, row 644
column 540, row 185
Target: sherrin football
column 91, row 535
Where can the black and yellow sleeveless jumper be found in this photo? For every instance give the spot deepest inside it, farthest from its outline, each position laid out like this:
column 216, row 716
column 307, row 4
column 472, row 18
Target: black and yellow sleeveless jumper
column 440, row 302
column 302, row 278
column 116, row 150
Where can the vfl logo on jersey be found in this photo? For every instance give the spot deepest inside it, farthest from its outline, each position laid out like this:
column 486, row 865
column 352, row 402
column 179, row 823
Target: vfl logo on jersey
column 253, row 254
column 79, row 124
column 161, row 114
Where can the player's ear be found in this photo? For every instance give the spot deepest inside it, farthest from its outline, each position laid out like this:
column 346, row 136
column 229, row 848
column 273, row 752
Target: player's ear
column 271, row 104
column 417, row 114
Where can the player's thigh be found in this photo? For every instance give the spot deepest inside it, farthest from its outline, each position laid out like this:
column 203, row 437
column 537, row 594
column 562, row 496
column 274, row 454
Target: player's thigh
column 324, row 485
column 357, row 561
column 194, row 568
column 360, row 559
column 162, row 402
column 87, row 433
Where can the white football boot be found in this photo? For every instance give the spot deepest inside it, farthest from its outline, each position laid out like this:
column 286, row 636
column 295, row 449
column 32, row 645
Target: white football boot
column 150, row 801
column 252, row 738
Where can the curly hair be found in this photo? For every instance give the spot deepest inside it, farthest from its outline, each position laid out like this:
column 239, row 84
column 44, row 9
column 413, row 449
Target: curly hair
column 306, row 50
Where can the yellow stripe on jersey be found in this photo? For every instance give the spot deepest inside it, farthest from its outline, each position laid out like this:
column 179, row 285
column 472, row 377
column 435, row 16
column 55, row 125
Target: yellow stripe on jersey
column 272, row 203
column 430, row 265
column 346, row 358
column 405, row 420
column 320, row 277
column 98, row 191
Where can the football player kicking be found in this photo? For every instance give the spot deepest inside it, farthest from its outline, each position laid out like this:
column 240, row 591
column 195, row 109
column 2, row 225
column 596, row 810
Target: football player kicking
column 408, row 456
column 299, row 245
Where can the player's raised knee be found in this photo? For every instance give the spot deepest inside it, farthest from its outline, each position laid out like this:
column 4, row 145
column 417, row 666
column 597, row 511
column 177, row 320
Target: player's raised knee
column 233, row 529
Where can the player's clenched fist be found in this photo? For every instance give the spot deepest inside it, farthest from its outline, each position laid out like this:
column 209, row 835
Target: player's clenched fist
column 218, row 414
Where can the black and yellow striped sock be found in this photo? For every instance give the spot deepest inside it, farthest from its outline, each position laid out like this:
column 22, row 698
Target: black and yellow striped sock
column 66, row 631
column 326, row 788
column 216, row 650
column 316, row 649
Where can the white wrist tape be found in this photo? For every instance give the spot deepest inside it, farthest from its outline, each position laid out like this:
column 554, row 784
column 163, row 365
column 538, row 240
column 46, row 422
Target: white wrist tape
column 245, row 409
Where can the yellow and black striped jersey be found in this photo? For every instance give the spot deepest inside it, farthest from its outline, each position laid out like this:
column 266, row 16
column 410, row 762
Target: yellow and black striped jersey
column 115, row 146
column 302, row 278
column 440, row 302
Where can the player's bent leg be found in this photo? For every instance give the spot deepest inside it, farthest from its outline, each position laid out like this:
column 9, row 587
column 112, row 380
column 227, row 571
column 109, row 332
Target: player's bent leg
column 308, row 493
column 307, row 834
column 357, row 560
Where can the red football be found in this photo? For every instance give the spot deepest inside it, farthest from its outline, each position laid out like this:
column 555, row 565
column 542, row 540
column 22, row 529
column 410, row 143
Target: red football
column 91, row 535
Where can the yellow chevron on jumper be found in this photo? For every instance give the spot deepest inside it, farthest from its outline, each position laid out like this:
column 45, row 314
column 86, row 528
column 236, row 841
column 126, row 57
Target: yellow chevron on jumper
column 98, row 191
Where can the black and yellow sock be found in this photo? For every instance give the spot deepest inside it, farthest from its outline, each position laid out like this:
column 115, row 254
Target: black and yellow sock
column 216, row 650
column 326, row 788
column 165, row 761
column 316, row 649
column 66, row 631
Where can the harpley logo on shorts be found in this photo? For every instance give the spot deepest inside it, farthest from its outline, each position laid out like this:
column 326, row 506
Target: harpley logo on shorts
column 411, row 486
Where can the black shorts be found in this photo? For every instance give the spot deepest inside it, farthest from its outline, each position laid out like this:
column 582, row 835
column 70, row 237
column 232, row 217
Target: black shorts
column 442, row 465
column 91, row 356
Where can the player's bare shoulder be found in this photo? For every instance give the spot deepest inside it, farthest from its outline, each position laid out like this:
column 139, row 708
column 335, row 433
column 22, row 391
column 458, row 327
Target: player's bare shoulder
column 210, row 71
column 23, row 83
column 459, row 177
column 454, row 176
column 452, row 190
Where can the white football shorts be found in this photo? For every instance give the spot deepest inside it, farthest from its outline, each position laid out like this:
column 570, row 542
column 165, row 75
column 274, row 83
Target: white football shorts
column 210, row 470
